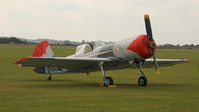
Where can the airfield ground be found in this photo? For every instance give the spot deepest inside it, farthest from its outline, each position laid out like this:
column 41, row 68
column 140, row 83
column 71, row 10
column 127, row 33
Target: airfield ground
column 176, row 89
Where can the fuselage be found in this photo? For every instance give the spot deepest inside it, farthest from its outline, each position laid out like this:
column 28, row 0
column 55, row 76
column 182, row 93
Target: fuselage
column 127, row 50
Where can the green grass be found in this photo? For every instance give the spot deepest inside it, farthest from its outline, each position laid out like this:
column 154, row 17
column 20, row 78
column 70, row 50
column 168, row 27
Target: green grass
column 22, row 90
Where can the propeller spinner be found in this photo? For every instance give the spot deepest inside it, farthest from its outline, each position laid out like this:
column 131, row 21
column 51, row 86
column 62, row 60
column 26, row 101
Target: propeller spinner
column 150, row 36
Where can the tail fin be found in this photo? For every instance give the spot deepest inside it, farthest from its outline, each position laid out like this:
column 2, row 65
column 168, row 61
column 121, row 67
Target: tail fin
column 43, row 49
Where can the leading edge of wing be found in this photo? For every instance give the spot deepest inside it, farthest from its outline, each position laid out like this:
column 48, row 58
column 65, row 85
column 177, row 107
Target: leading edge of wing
column 164, row 62
column 169, row 60
column 73, row 58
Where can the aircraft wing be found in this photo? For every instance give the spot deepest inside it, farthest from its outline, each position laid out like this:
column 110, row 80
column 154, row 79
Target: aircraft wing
column 70, row 63
column 163, row 62
column 78, row 64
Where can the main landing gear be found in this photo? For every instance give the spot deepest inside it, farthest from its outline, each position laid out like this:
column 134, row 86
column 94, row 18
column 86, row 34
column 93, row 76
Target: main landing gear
column 107, row 79
column 142, row 80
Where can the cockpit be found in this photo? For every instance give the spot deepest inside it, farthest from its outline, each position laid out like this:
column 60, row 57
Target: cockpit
column 83, row 49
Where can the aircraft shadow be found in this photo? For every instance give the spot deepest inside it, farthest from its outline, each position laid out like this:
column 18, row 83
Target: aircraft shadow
column 70, row 83
column 151, row 85
column 66, row 83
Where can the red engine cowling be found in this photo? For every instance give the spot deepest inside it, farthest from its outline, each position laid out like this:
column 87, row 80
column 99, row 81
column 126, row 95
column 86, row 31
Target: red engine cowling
column 141, row 46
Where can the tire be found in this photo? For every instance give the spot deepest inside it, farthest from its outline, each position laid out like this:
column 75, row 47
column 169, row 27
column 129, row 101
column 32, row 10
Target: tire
column 49, row 79
column 142, row 81
column 108, row 81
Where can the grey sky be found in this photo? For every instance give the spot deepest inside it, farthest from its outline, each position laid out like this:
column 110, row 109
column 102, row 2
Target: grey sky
column 173, row 21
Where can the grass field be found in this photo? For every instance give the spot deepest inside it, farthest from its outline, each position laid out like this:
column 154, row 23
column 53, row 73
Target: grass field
column 176, row 89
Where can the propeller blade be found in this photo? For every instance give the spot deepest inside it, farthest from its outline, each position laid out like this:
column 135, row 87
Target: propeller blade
column 155, row 62
column 148, row 26
column 150, row 36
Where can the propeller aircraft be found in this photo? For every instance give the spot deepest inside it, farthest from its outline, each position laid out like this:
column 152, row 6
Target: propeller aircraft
column 131, row 52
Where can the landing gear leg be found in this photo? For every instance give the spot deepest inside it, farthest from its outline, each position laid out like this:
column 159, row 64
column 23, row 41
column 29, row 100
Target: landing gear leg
column 49, row 78
column 142, row 81
column 107, row 79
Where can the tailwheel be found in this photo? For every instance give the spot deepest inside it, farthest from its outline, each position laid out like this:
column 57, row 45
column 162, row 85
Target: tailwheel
column 108, row 81
column 49, row 78
column 142, row 81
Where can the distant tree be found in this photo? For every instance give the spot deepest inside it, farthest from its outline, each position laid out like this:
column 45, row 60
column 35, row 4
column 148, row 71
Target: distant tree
column 12, row 40
column 67, row 42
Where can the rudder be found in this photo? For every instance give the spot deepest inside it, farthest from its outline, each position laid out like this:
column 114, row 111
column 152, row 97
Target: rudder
column 43, row 49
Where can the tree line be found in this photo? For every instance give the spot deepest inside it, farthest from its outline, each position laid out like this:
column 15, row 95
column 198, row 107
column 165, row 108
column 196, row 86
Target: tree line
column 15, row 40
column 12, row 40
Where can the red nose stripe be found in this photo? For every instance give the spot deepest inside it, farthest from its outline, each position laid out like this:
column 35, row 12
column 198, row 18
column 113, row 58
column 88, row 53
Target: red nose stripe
column 141, row 46
column 40, row 49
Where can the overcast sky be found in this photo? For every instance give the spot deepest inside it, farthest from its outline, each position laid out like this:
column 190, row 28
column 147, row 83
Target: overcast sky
column 173, row 21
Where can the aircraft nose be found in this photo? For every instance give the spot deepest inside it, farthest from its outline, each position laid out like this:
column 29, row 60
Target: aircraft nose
column 141, row 46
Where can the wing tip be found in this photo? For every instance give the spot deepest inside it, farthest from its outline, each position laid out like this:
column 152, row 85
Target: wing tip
column 185, row 60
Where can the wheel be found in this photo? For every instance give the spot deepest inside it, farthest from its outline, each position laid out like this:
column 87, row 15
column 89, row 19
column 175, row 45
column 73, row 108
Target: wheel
column 108, row 81
column 49, row 79
column 142, row 81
